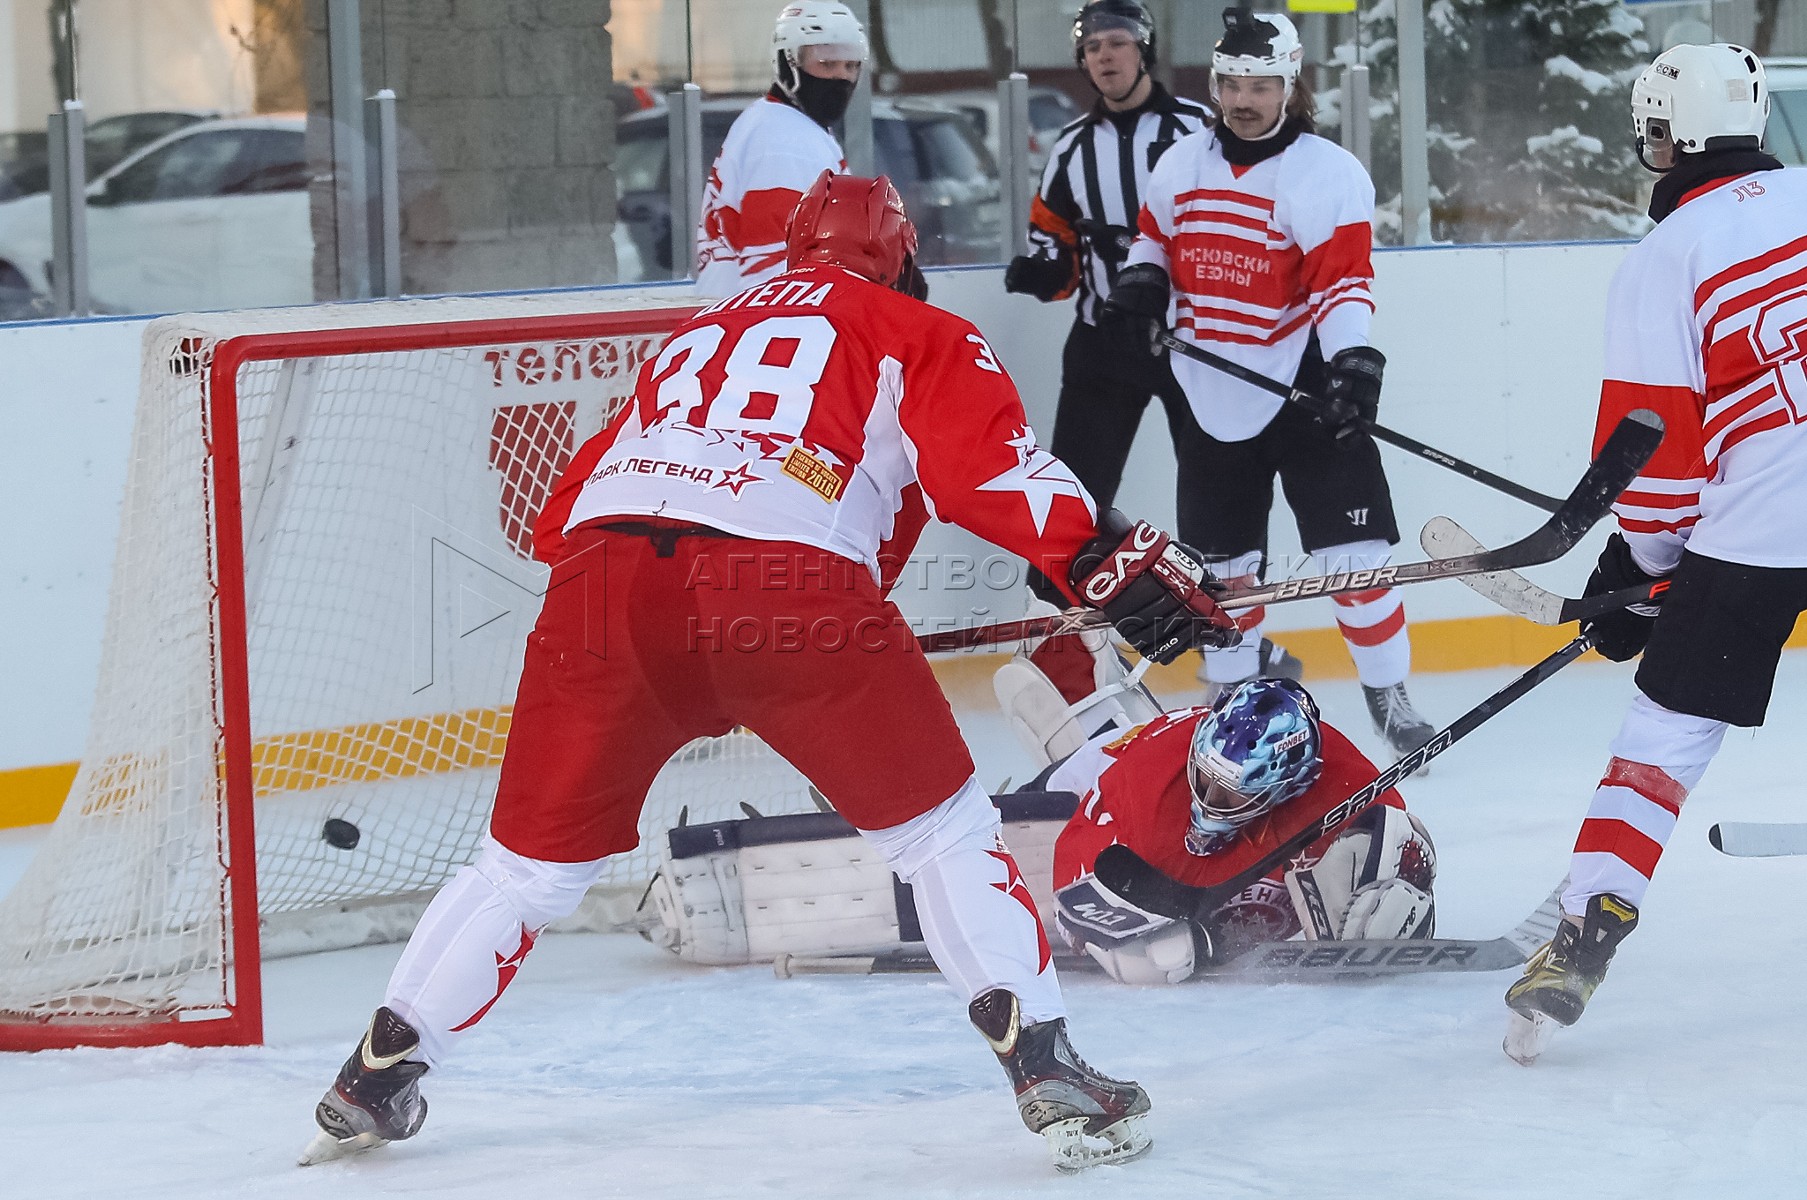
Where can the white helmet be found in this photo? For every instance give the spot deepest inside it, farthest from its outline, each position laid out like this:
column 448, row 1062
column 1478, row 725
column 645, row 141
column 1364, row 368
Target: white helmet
column 814, row 23
column 1703, row 93
column 1258, row 44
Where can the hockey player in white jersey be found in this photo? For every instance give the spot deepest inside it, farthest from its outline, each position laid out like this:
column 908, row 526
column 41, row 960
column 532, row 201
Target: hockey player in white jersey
column 1257, row 233
column 777, row 147
column 1704, row 321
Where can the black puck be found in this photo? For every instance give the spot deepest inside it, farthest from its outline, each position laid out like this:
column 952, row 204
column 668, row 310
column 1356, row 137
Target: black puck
column 342, row 834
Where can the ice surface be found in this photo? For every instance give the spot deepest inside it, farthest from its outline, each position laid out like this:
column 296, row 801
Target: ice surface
column 611, row 1069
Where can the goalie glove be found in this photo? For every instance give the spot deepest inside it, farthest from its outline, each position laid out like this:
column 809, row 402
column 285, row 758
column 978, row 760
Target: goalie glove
column 1132, row 944
column 1155, row 590
column 1373, row 882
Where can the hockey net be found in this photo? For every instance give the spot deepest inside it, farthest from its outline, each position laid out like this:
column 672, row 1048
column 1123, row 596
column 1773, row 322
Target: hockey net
column 319, row 598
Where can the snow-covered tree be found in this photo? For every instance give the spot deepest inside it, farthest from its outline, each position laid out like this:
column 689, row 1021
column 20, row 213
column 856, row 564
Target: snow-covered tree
column 1527, row 106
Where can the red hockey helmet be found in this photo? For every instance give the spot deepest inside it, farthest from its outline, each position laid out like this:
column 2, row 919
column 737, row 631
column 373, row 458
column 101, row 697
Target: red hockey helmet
column 852, row 222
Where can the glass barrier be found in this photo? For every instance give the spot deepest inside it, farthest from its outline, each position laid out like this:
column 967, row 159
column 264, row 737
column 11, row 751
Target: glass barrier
column 226, row 139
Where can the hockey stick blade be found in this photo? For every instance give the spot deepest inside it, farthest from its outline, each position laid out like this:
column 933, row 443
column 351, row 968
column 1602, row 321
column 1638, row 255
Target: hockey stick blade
column 1131, row 877
column 1317, row 405
column 1625, row 452
column 1756, row 839
column 1442, row 538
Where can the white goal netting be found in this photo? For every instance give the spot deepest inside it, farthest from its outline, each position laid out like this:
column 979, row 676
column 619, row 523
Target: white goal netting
column 391, row 460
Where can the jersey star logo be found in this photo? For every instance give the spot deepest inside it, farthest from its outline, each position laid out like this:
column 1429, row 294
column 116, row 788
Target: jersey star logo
column 506, row 966
column 736, row 479
column 1024, row 444
column 1039, row 477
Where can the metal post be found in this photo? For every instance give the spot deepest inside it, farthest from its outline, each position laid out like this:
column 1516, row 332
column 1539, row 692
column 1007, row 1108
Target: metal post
column 856, row 126
column 386, row 209
column 1013, row 163
column 1358, row 137
column 1414, row 150
column 351, row 190
column 684, row 115
column 69, row 210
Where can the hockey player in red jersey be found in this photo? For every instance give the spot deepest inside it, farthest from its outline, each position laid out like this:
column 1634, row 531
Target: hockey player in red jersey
column 721, row 554
column 1203, row 795
column 1257, row 232
column 777, row 147
column 1704, row 326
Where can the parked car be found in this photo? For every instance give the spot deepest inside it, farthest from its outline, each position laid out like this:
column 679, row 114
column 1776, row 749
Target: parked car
column 25, row 156
column 1050, row 111
column 1787, row 109
column 948, row 179
column 214, row 215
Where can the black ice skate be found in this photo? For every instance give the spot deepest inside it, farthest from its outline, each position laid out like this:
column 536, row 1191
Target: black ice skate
column 1059, row 1097
column 376, row 1098
column 1561, row 977
column 1396, row 720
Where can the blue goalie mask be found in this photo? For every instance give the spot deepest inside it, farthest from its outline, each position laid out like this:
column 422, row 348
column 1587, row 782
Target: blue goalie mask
column 1258, row 747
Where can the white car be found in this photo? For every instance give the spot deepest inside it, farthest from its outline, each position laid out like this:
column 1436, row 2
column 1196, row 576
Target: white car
column 1050, row 111
column 213, row 216
column 1787, row 131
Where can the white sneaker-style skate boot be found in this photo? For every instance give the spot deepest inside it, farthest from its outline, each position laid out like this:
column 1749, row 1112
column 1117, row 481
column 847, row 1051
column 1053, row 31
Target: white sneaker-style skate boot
column 376, row 1098
column 1087, row 1118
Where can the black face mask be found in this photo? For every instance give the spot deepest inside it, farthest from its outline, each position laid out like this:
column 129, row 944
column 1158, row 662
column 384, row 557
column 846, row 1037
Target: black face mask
column 823, row 101
column 1246, row 154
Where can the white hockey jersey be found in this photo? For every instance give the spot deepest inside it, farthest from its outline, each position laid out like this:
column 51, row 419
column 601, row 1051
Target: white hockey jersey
column 771, row 156
column 1707, row 326
column 822, row 408
column 1258, row 256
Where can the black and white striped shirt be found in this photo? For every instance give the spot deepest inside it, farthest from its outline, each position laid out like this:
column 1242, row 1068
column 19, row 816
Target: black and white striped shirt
column 1093, row 185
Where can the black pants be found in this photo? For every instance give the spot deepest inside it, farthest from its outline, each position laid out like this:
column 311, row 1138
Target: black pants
column 1719, row 637
column 1105, row 386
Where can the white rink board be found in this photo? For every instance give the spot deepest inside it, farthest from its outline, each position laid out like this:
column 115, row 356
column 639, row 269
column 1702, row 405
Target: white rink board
column 1494, row 355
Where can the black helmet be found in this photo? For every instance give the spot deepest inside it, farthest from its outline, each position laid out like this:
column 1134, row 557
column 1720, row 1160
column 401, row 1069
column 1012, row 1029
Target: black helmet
column 1114, row 14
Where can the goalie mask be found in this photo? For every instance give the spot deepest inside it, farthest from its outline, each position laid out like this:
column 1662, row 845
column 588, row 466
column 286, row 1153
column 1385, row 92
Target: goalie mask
column 1255, row 44
column 1700, row 98
column 835, row 29
column 1258, row 747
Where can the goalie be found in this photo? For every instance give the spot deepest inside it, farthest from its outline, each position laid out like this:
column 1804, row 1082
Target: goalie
column 1194, row 793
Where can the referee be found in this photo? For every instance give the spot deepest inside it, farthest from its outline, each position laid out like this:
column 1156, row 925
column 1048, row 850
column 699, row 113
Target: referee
column 1081, row 226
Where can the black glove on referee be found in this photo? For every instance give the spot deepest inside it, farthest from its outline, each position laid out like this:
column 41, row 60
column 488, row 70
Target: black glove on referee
column 1043, row 278
column 1352, row 392
column 1624, row 632
column 1137, row 308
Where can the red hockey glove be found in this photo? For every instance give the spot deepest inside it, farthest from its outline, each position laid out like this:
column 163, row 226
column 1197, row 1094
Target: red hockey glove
column 1154, row 590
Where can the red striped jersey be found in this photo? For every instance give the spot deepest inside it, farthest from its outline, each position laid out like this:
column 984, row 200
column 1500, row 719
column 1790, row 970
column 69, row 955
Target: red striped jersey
column 1132, row 790
column 771, row 156
column 822, row 408
column 1707, row 326
column 1259, row 256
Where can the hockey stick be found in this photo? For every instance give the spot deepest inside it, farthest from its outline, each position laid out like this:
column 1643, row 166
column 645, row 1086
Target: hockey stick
column 1124, row 872
column 1518, row 595
column 1625, row 452
column 1379, row 432
column 1755, row 839
column 1299, row 961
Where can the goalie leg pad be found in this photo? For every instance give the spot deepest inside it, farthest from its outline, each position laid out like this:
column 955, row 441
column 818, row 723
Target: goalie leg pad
column 1068, row 689
column 474, row 936
column 977, row 915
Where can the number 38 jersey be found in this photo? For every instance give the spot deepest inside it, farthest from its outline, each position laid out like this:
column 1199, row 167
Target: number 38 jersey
column 822, row 408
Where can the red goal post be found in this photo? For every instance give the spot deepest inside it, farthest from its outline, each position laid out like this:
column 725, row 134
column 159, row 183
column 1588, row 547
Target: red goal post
column 322, row 584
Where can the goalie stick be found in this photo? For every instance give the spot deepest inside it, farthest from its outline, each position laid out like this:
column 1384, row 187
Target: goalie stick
column 1518, row 595
column 1756, row 839
column 1624, row 453
column 1317, row 404
column 1295, row 961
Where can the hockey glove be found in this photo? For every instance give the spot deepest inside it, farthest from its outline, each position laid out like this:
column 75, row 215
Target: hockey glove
column 1130, row 943
column 1352, row 392
column 910, row 280
column 1043, row 278
column 1137, row 308
column 1623, row 633
column 1155, row 590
